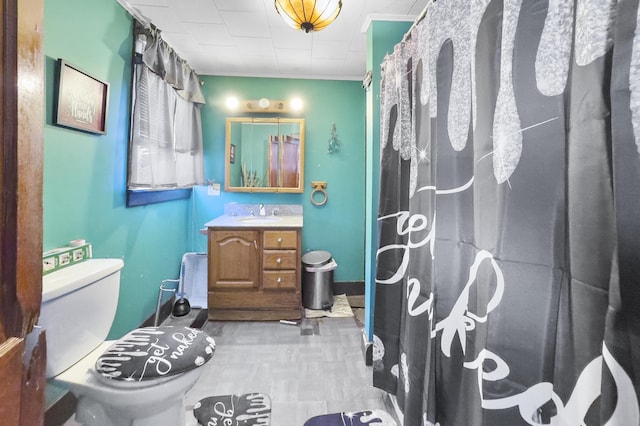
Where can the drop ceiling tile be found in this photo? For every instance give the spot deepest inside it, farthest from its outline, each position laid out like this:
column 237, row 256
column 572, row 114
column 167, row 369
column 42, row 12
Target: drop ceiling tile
column 354, row 71
column 257, row 64
column 183, row 43
column 326, row 66
column 152, row 3
column 241, row 37
column 158, row 15
column 241, row 5
column 199, row 11
column 400, row 7
column 246, row 24
column 359, row 43
column 330, row 50
column 293, row 58
column 356, row 62
column 209, row 34
column 255, row 46
column 288, row 38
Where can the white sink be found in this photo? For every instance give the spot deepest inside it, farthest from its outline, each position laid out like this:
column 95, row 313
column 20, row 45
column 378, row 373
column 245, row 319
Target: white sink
column 280, row 221
column 259, row 219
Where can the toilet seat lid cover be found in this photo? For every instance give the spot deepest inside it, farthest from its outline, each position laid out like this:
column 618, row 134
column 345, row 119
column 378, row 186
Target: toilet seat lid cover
column 152, row 352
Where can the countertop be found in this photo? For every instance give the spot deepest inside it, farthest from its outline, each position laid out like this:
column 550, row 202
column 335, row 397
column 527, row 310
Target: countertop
column 283, row 221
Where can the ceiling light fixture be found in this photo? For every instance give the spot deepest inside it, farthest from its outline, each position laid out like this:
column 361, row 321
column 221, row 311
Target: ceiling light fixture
column 308, row 15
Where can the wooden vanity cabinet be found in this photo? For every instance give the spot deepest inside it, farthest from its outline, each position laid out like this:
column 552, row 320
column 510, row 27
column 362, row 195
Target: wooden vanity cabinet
column 254, row 274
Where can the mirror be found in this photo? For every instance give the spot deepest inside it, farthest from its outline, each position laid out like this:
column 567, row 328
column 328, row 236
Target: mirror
column 264, row 155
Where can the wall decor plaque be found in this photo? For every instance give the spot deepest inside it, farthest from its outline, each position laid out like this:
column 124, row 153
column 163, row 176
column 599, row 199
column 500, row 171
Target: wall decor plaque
column 81, row 100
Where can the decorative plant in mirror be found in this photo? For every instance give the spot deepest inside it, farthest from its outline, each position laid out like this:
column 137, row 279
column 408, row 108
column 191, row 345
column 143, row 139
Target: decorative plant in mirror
column 334, row 143
column 250, row 177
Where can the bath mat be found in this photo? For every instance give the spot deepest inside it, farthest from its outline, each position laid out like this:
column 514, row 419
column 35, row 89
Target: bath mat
column 340, row 308
column 361, row 418
column 249, row 409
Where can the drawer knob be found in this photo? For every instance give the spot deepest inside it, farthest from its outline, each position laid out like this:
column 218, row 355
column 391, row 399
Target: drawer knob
column 278, row 260
column 279, row 280
column 279, row 239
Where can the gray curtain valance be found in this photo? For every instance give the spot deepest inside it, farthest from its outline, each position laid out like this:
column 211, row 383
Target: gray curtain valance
column 160, row 58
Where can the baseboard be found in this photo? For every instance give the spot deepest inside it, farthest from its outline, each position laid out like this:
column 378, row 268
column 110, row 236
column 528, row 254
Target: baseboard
column 61, row 410
column 350, row 288
column 163, row 314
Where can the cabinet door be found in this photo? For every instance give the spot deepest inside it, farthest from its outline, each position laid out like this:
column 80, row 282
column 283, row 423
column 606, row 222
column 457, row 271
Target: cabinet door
column 234, row 260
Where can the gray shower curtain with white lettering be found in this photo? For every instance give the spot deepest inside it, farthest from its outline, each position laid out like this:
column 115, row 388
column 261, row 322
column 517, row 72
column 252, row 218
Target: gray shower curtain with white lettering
column 508, row 268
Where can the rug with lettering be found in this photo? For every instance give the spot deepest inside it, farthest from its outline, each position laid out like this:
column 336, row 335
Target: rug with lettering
column 249, row 409
column 360, row 418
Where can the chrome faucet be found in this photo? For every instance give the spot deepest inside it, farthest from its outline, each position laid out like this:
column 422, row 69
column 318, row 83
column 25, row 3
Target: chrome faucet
column 263, row 211
column 251, row 212
column 274, row 212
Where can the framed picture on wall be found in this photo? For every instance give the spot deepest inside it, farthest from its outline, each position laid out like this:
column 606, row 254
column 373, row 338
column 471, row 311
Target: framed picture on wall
column 81, row 100
column 232, row 153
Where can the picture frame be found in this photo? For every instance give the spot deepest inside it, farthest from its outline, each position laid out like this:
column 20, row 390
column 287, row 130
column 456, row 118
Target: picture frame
column 232, row 153
column 81, row 100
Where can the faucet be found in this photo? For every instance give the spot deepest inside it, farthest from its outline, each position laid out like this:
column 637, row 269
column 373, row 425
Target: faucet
column 274, row 212
column 263, row 211
column 251, row 212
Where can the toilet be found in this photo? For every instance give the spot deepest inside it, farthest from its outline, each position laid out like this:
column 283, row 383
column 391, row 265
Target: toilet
column 78, row 307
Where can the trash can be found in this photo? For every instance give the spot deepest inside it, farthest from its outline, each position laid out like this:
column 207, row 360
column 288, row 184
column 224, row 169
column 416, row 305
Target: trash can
column 317, row 280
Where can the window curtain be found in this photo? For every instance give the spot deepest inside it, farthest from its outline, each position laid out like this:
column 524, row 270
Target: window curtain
column 166, row 132
column 507, row 285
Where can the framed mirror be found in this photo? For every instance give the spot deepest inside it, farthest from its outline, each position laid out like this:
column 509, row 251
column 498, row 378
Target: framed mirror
column 264, row 155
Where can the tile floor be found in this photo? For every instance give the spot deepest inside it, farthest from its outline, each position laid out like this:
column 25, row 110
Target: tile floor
column 307, row 370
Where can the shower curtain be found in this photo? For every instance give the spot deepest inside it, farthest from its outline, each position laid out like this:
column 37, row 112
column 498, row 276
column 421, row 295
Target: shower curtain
column 508, row 268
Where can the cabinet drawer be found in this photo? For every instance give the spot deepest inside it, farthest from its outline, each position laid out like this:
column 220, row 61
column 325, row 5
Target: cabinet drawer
column 279, row 280
column 280, row 239
column 279, row 259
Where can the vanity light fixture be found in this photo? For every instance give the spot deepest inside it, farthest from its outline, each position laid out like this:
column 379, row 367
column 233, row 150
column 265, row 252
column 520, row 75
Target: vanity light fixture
column 296, row 104
column 308, row 15
column 232, row 103
column 264, row 105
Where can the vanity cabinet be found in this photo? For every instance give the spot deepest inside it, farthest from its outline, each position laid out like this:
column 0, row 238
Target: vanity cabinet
column 254, row 274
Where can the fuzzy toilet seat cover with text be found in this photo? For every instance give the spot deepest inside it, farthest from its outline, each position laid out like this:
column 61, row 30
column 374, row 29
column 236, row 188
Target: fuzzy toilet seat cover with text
column 154, row 352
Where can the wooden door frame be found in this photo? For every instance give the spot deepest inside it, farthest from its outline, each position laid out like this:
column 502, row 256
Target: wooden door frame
column 22, row 349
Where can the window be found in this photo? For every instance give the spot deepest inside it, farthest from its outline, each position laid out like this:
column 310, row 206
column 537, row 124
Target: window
column 165, row 148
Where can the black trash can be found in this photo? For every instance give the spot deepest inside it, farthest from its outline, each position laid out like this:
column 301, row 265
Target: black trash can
column 317, row 280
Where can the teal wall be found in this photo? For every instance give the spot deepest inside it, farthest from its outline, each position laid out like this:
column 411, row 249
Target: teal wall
column 85, row 174
column 338, row 226
column 382, row 36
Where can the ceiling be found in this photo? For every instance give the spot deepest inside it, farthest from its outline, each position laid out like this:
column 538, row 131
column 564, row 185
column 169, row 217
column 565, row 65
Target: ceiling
column 249, row 38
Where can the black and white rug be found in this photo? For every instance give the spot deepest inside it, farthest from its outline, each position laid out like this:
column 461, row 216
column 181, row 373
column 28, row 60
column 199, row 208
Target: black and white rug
column 249, row 409
column 360, row 418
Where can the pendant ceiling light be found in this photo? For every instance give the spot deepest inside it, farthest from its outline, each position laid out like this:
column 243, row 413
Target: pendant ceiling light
column 308, row 15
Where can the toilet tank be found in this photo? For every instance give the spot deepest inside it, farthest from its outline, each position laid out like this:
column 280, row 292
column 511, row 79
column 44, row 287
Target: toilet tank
column 78, row 306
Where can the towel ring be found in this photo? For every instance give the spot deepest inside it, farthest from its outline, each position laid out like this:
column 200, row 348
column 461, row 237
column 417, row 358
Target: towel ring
column 319, row 187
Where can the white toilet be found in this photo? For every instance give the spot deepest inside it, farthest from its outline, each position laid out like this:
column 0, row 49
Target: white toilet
column 78, row 307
